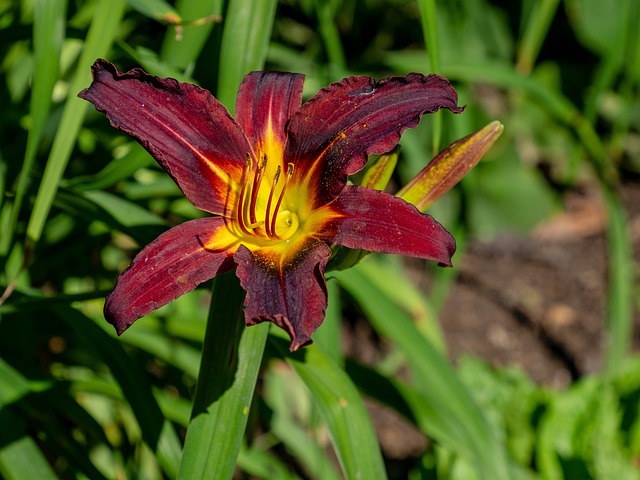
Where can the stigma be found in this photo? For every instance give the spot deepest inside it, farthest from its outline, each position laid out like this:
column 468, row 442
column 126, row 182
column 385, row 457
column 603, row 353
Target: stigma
column 260, row 211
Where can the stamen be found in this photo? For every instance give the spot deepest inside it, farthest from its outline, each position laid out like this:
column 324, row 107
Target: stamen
column 274, row 216
column 241, row 203
column 268, row 226
column 256, row 187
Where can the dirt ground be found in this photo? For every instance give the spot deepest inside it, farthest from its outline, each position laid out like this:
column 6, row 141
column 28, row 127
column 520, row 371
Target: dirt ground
column 536, row 301
column 539, row 301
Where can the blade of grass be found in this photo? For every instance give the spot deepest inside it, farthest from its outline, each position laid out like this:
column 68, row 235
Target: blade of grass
column 534, row 34
column 261, row 464
column 433, row 375
column 48, row 35
column 182, row 356
column 328, row 334
column 20, row 456
column 620, row 298
column 183, row 44
column 115, row 171
column 245, row 39
column 231, row 359
column 341, row 407
column 428, row 20
column 102, row 32
column 616, row 58
column 156, row 9
column 294, row 421
column 156, row 431
column 326, row 11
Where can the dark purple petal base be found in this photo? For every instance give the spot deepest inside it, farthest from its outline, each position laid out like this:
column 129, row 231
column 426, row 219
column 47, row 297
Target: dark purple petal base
column 292, row 294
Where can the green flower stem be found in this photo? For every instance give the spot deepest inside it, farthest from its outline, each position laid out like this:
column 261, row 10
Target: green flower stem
column 231, row 359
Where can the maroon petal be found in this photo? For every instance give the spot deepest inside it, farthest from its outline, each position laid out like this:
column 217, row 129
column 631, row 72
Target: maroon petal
column 189, row 133
column 170, row 266
column 379, row 222
column 265, row 103
column 346, row 121
column 290, row 293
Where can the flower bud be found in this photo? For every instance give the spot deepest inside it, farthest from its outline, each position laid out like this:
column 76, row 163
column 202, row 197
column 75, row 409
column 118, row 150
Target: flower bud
column 449, row 166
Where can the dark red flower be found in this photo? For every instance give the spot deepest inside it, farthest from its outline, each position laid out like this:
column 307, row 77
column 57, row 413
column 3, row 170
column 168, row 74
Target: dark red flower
column 275, row 181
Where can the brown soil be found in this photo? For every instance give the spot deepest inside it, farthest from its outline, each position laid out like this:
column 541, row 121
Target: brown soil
column 535, row 301
column 539, row 301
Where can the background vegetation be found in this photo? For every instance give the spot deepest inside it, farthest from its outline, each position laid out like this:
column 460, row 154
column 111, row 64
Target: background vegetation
column 79, row 199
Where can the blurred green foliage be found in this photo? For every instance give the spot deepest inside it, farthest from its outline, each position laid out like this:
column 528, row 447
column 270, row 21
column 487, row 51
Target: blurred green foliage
column 77, row 200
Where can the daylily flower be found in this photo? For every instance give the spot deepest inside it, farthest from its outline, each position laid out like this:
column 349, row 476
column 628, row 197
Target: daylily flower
column 274, row 180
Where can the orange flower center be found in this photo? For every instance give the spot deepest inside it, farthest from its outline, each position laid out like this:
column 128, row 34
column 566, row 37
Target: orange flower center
column 261, row 212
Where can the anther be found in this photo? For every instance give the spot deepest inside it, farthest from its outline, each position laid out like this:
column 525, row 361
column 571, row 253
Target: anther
column 274, row 216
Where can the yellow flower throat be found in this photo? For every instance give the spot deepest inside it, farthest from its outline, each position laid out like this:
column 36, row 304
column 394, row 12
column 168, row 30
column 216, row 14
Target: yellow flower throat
column 261, row 211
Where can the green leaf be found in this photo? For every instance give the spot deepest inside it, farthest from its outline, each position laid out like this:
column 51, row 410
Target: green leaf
column 261, row 464
column 328, row 334
column 156, row 431
column 294, row 421
column 20, row 456
column 579, row 435
column 48, row 35
column 596, row 22
column 620, row 300
column 183, row 44
column 341, row 407
column 115, row 212
column 163, row 347
column 536, row 29
column 429, row 22
column 102, row 32
column 229, row 368
column 115, row 171
column 247, row 30
column 456, row 418
column 156, row 9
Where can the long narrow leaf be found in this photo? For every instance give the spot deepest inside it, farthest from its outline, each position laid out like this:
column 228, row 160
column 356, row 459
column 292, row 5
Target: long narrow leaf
column 342, row 408
column 48, row 34
column 620, row 298
column 183, row 44
column 157, row 432
column 429, row 23
column 535, row 33
column 245, row 39
column 102, row 32
column 20, row 456
column 433, row 375
column 231, row 359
